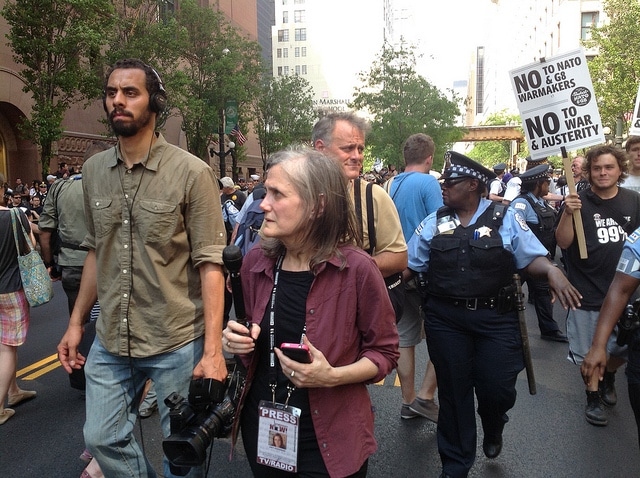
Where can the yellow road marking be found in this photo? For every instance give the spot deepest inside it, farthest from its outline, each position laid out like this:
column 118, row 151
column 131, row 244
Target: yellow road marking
column 396, row 381
column 43, row 366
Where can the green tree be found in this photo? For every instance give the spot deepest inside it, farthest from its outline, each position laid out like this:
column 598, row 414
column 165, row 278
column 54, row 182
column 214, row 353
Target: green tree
column 402, row 103
column 284, row 113
column 490, row 153
column 216, row 64
column 147, row 31
column 615, row 71
column 57, row 43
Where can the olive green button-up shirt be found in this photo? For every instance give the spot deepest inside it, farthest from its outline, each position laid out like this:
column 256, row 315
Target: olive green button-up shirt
column 151, row 227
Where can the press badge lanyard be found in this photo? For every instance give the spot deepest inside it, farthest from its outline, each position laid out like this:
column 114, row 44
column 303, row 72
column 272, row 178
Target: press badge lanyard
column 278, row 424
column 273, row 372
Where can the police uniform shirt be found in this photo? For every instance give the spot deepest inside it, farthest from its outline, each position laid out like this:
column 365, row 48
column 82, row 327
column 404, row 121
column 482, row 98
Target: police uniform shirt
column 629, row 262
column 521, row 205
column 517, row 238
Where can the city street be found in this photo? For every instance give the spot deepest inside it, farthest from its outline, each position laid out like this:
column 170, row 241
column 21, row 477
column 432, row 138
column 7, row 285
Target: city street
column 547, row 434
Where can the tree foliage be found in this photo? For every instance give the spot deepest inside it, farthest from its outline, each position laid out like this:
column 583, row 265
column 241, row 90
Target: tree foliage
column 216, row 64
column 57, row 43
column 402, row 103
column 284, row 113
column 615, row 71
column 490, row 153
column 143, row 31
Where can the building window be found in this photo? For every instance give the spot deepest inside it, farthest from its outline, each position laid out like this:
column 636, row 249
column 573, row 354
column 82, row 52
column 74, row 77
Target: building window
column 284, row 2
column 297, row 52
column 298, row 2
column 304, row 69
column 279, row 53
column 589, row 21
column 285, row 53
column 300, row 16
column 480, row 80
column 285, row 16
column 301, row 34
column 279, row 71
column 297, row 69
column 283, row 35
column 286, row 70
column 304, row 51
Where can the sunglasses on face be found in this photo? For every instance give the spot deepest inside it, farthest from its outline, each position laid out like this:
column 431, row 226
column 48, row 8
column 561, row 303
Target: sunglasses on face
column 450, row 182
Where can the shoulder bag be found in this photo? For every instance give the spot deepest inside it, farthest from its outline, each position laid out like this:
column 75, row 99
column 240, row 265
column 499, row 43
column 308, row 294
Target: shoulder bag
column 36, row 282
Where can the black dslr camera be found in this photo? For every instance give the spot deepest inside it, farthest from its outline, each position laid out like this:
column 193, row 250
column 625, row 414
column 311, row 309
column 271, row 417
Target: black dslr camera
column 628, row 324
column 207, row 414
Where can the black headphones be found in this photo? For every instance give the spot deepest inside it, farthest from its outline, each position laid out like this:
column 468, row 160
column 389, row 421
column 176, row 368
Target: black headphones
column 157, row 99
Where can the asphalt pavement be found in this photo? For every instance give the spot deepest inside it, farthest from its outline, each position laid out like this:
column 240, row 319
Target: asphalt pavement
column 547, row 435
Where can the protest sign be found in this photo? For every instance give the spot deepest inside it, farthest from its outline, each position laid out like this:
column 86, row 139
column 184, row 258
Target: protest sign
column 635, row 121
column 557, row 104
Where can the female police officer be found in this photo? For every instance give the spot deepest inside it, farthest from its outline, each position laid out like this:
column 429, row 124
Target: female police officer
column 469, row 251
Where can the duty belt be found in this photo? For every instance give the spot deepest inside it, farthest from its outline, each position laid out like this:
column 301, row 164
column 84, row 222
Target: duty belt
column 469, row 303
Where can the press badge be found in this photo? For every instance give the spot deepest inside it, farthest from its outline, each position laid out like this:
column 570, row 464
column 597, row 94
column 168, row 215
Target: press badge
column 447, row 224
column 278, row 428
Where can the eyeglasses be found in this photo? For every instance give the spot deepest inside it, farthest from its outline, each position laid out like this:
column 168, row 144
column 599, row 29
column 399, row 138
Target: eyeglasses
column 451, row 182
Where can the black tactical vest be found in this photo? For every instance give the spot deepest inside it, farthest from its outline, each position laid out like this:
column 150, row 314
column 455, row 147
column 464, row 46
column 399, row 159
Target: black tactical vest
column 463, row 266
column 545, row 229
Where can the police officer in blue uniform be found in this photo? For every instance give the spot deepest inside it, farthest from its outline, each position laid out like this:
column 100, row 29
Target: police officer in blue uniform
column 468, row 252
column 625, row 283
column 541, row 219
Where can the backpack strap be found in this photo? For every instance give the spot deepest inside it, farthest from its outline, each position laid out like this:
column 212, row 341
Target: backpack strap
column 371, row 227
column 358, row 205
column 387, row 185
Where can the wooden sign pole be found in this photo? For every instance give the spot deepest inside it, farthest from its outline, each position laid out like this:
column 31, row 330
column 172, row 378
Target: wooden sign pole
column 577, row 218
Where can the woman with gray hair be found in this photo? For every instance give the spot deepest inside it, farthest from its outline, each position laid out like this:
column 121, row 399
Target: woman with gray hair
column 308, row 287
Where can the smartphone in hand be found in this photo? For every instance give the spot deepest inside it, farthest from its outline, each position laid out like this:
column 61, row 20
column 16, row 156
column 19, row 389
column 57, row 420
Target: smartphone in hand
column 298, row 352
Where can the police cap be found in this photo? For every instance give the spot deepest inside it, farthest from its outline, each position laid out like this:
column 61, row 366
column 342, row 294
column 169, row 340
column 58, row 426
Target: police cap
column 498, row 168
column 535, row 174
column 461, row 166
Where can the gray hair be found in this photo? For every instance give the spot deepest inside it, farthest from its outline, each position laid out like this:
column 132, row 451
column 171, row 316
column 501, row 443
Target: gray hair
column 330, row 218
column 323, row 129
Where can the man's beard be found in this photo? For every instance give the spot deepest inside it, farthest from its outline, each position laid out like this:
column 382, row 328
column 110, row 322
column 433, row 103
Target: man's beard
column 127, row 130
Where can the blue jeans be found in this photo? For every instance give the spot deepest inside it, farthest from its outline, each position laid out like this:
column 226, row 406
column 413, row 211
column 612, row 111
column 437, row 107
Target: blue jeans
column 114, row 388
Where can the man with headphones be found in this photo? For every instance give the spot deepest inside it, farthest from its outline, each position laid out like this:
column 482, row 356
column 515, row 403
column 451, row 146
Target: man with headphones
column 155, row 241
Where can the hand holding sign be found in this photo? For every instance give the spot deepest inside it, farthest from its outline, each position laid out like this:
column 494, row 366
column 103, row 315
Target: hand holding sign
column 559, row 112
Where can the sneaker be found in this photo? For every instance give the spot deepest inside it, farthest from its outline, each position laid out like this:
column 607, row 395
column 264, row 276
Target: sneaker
column 146, row 410
column 607, row 387
column 594, row 412
column 425, row 408
column 406, row 412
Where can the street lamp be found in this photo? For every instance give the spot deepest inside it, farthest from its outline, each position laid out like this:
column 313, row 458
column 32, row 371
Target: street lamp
column 222, row 154
column 616, row 139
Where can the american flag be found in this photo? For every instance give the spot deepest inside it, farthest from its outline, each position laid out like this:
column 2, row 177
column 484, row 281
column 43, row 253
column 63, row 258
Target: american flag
column 238, row 134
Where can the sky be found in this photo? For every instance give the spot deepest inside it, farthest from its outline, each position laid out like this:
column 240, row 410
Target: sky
column 452, row 30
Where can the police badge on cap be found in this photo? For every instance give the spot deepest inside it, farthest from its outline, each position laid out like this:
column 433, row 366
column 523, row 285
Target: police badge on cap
column 461, row 166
